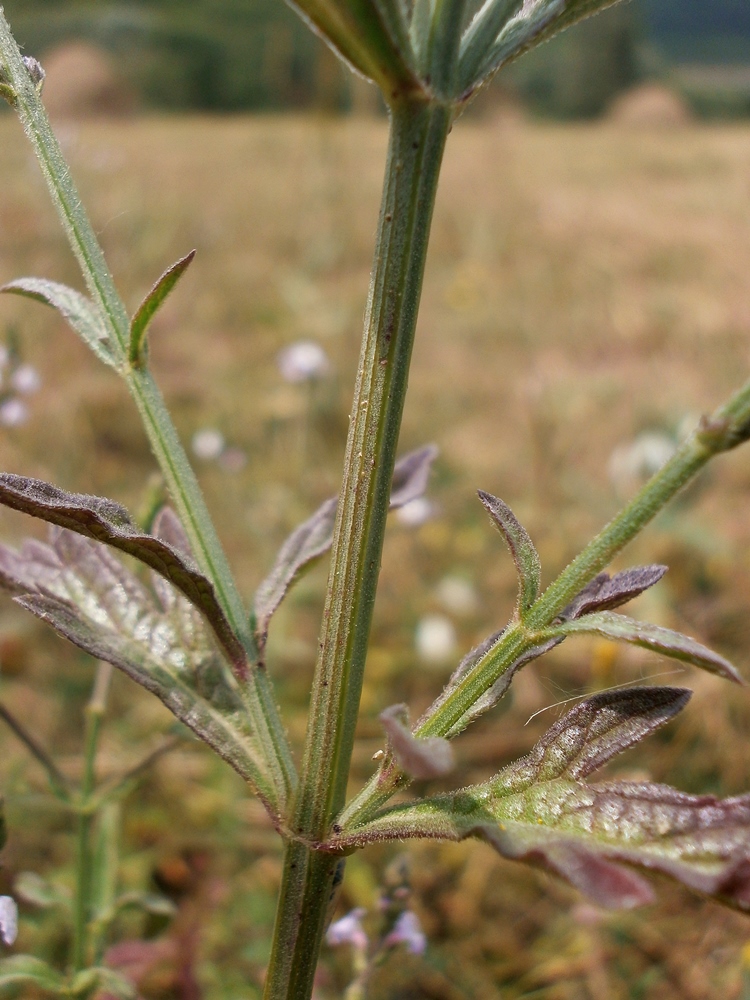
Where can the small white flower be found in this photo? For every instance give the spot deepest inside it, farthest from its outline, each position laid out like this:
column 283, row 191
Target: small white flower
column 630, row 464
column 407, row 930
column 435, row 639
column 8, row 919
column 416, row 512
column 208, row 444
column 13, row 413
column 25, row 379
column 457, row 595
column 348, row 930
column 303, row 361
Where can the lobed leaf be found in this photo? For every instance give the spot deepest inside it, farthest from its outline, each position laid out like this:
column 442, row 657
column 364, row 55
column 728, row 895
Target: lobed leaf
column 79, row 311
column 313, row 538
column 87, row 595
column 539, row 810
column 429, row 757
column 605, row 592
column 620, row 628
column 152, row 302
column 521, row 548
column 108, row 522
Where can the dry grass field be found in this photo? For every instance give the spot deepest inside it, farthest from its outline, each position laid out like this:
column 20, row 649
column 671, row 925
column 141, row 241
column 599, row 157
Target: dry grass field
column 587, row 295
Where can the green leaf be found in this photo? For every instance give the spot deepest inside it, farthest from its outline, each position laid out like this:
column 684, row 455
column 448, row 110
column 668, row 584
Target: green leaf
column 79, row 311
column 481, row 34
column 429, row 757
column 148, row 308
column 87, row 595
column 535, row 22
column 109, row 522
column 539, row 810
column 102, row 980
column 521, row 548
column 106, row 859
column 620, row 628
column 34, row 889
column 313, row 538
column 25, row 970
column 370, row 35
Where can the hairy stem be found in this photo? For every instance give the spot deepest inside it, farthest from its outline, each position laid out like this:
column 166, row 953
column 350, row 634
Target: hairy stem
column 178, row 474
column 418, row 133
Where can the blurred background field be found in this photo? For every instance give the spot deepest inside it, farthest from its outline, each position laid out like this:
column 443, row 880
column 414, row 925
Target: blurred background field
column 587, row 297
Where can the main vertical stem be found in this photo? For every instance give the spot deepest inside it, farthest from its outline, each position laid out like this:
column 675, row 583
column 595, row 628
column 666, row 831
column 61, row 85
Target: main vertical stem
column 417, row 139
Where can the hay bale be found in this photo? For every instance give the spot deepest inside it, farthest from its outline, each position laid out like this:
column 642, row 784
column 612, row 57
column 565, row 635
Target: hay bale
column 82, row 82
column 650, row 105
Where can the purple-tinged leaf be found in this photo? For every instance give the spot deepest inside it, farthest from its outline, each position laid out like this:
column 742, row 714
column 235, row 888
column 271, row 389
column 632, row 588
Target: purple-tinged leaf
column 410, row 476
column 605, row 592
column 521, row 548
column 431, row 757
column 620, row 628
column 108, row 522
column 87, row 595
column 79, row 311
column 591, row 734
column 148, row 308
column 539, row 811
column 313, row 538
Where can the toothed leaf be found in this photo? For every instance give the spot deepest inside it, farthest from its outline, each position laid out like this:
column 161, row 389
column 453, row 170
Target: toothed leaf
column 620, row 628
column 431, row 757
column 605, row 592
column 539, row 810
column 79, row 311
column 313, row 538
column 153, row 301
column 521, row 548
column 82, row 590
column 108, row 522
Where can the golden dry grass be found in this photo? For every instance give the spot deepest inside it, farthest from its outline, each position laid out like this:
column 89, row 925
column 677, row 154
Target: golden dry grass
column 585, row 284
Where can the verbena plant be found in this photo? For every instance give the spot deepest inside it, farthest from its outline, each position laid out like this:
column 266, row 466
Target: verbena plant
column 190, row 639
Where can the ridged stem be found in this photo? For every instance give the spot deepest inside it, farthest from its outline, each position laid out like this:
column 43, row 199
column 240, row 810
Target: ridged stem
column 417, row 139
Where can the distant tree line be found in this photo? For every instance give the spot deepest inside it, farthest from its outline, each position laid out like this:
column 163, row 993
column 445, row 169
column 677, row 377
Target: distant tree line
column 256, row 54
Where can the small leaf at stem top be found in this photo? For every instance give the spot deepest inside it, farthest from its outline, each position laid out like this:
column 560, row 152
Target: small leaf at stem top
column 148, row 308
column 521, row 548
column 79, row 311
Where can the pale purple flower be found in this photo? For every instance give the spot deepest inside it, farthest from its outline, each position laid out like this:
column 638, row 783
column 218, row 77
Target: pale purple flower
column 25, row 379
column 303, row 361
column 13, row 413
column 8, row 919
column 408, row 931
column 349, row 930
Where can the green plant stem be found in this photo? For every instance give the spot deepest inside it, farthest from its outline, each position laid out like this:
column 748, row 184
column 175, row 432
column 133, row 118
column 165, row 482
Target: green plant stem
column 86, row 815
column 417, row 140
column 725, row 429
column 57, row 780
column 176, row 469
